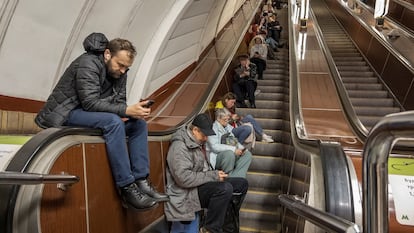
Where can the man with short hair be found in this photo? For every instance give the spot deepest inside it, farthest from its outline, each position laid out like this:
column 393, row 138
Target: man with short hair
column 92, row 93
column 191, row 182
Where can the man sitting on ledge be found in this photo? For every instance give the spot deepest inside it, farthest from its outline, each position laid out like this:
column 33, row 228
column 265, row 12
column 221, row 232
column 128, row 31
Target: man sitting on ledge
column 92, row 93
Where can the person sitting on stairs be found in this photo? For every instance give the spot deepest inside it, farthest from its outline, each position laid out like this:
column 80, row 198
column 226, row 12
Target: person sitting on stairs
column 258, row 55
column 228, row 101
column 191, row 182
column 244, row 81
column 224, row 150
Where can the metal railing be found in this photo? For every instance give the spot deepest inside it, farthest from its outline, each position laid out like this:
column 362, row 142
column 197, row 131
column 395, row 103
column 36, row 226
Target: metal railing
column 35, row 178
column 323, row 219
column 377, row 148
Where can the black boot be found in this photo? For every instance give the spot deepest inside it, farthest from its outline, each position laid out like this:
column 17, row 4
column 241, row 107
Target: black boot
column 145, row 186
column 132, row 197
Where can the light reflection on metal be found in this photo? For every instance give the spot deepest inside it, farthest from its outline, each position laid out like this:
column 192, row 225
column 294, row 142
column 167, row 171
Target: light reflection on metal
column 295, row 15
column 304, row 13
column 302, row 45
column 381, row 10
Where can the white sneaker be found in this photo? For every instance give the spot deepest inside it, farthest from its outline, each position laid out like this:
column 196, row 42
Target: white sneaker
column 256, row 92
column 267, row 138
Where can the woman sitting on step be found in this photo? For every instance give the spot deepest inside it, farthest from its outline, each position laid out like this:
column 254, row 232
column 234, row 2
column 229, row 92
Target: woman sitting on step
column 228, row 101
column 224, row 150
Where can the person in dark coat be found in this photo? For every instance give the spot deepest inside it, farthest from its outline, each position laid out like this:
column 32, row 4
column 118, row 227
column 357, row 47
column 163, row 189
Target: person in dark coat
column 92, row 93
column 245, row 81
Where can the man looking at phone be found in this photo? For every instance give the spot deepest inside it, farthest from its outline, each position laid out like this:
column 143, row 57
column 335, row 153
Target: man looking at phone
column 92, row 93
column 225, row 151
column 192, row 184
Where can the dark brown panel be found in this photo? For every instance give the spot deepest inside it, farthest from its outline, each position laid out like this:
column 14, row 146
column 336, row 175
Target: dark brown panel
column 207, row 72
column 408, row 19
column 104, row 205
column 395, row 10
column 398, row 78
column 408, row 104
column 377, row 55
column 165, row 123
column 20, row 104
column 65, row 212
column 363, row 39
column 164, row 92
column 106, row 213
column 186, row 101
column 353, row 31
column 158, row 153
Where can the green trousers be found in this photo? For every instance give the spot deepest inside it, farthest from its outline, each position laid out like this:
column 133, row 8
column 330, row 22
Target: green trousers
column 234, row 165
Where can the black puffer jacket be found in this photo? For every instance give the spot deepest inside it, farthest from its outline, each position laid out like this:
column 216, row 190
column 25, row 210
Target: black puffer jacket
column 85, row 84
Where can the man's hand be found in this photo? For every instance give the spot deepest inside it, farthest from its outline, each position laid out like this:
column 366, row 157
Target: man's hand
column 222, row 175
column 138, row 110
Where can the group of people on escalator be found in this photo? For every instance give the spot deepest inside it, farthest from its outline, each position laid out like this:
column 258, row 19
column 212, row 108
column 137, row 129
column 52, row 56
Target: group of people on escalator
column 207, row 161
column 262, row 41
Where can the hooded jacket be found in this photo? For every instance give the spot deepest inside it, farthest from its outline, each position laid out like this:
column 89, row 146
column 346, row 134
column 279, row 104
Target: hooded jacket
column 187, row 168
column 85, row 84
column 260, row 48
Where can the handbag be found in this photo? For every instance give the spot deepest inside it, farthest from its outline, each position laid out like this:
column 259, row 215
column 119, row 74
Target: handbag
column 229, row 139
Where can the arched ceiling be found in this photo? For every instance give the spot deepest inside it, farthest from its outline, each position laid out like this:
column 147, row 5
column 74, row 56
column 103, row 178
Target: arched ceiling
column 40, row 38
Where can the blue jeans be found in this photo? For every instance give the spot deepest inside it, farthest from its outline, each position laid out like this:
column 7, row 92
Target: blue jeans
column 256, row 126
column 241, row 133
column 185, row 227
column 126, row 167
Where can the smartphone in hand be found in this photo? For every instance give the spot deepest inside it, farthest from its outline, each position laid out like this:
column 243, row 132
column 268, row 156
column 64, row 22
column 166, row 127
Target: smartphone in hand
column 149, row 103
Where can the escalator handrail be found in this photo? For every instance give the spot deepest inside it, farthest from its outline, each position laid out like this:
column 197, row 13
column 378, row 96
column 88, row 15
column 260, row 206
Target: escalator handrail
column 297, row 124
column 356, row 125
column 381, row 40
column 337, row 181
column 378, row 146
column 296, row 118
column 323, row 219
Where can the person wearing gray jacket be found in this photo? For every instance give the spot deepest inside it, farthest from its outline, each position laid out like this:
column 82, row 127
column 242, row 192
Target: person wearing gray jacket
column 191, row 182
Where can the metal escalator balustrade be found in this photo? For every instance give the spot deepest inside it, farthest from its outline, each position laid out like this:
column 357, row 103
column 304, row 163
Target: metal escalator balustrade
column 370, row 98
column 382, row 138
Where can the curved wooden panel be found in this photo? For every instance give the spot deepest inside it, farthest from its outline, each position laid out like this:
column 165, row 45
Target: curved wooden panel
column 93, row 205
column 65, row 211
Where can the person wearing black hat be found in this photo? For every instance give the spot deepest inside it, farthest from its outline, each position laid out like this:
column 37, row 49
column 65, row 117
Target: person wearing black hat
column 192, row 184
